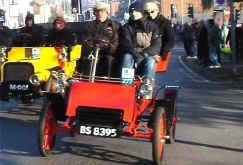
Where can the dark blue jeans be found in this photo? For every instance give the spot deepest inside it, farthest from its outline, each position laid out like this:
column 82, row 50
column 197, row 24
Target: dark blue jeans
column 213, row 56
column 149, row 65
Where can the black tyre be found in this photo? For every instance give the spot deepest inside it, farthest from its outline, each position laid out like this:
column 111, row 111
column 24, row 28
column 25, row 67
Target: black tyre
column 158, row 139
column 47, row 129
column 171, row 119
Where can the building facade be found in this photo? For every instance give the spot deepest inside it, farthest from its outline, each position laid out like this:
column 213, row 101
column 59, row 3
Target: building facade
column 46, row 10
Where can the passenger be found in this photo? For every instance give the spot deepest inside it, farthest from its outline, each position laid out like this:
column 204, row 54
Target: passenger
column 104, row 29
column 31, row 34
column 140, row 42
column 166, row 31
column 5, row 34
column 59, row 35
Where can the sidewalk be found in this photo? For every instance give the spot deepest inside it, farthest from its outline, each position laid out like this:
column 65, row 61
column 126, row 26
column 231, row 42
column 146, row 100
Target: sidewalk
column 217, row 75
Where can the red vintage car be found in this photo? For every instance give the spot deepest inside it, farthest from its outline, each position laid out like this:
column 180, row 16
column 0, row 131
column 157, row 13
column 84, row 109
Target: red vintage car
column 102, row 106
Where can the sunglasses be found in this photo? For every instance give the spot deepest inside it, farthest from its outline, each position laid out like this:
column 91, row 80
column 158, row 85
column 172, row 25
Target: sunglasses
column 99, row 10
column 150, row 12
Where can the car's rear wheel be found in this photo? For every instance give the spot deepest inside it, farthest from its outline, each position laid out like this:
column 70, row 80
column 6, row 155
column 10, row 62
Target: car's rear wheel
column 158, row 139
column 47, row 129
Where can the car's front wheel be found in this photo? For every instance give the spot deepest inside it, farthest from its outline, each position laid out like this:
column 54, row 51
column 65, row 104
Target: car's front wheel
column 47, row 129
column 158, row 139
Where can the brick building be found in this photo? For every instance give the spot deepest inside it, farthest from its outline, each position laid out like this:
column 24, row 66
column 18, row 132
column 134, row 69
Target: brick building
column 182, row 8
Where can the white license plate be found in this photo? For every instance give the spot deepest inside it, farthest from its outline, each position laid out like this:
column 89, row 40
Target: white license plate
column 18, row 87
column 98, row 131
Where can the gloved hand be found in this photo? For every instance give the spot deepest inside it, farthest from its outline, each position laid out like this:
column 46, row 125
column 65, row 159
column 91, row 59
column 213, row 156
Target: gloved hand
column 164, row 55
column 139, row 58
column 157, row 58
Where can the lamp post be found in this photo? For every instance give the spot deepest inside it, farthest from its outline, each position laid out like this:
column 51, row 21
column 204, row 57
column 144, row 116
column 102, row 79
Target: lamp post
column 182, row 11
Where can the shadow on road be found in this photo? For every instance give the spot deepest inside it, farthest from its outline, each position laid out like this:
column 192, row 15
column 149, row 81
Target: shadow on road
column 209, row 146
column 18, row 136
column 209, row 106
column 99, row 152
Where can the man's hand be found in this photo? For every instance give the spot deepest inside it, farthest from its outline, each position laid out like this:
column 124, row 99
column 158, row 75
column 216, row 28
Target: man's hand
column 26, row 34
column 157, row 58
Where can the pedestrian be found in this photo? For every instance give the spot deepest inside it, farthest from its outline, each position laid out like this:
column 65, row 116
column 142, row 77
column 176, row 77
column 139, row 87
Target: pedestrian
column 214, row 43
column 240, row 42
column 203, row 54
column 188, row 40
column 195, row 31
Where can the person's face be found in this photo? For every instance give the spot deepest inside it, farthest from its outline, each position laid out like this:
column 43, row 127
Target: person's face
column 59, row 25
column 153, row 13
column 136, row 15
column 101, row 15
column 29, row 23
column 36, row 9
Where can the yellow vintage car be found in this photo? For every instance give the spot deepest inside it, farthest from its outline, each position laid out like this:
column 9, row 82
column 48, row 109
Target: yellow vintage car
column 28, row 72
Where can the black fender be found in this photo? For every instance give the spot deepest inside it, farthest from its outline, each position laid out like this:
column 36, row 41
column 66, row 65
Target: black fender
column 58, row 104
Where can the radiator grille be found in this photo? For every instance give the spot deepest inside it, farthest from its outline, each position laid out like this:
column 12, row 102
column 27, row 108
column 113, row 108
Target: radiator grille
column 100, row 117
column 18, row 71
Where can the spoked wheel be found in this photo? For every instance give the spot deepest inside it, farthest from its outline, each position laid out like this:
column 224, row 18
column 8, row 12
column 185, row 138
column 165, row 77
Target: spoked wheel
column 171, row 119
column 158, row 140
column 47, row 129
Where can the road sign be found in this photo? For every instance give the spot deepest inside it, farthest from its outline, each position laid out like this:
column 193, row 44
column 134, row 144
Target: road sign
column 219, row 5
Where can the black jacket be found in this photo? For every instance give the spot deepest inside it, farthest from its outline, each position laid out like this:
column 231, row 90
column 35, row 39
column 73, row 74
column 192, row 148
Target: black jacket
column 203, row 43
column 128, row 37
column 32, row 36
column 167, row 34
column 108, row 30
column 60, row 38
column 5, row 35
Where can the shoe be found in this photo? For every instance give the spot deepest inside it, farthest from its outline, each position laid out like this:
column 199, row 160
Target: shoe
column 146, row 90
column 217, row 66
column 194, row 57
column 211, row 66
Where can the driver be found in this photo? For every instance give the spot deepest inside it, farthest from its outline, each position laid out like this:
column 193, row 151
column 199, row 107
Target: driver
column 5, row 34
column 140, row 42
column 31, row 34
column 104, row 29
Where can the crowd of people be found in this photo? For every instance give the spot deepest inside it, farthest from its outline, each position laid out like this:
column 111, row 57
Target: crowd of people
column 203, row 40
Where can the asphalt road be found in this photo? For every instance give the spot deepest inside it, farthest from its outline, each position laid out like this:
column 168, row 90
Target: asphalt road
column 210, row 131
